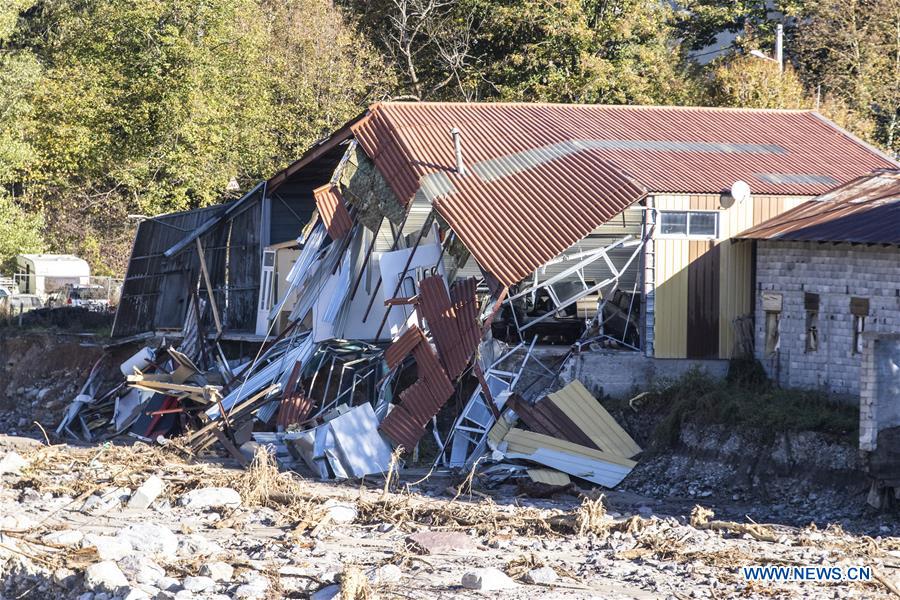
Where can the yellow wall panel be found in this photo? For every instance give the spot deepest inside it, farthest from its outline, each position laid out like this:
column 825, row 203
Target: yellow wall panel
column 673, row 256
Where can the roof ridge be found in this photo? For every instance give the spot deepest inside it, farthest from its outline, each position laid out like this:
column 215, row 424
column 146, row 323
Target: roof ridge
column 583, row 105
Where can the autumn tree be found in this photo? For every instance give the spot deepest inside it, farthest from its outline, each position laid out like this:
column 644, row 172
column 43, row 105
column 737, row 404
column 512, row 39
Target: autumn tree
column 849, row 52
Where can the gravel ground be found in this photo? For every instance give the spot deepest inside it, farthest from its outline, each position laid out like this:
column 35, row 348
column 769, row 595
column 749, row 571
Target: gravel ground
column 73, row 527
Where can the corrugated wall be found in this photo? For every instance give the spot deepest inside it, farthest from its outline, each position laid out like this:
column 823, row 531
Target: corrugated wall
column 673, row 257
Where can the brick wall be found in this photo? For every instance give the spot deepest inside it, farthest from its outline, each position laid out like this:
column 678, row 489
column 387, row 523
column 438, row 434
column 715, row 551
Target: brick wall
column 836, row 273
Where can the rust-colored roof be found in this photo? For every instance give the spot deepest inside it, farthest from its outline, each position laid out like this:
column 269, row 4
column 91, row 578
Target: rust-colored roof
column 542, row 176
column 405, row 424
column 453, row 323
column 333, row 210
column 864, row 211
column 403, row 346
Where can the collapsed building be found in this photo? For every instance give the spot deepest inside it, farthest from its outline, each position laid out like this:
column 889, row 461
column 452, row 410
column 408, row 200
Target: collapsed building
column 392, row 284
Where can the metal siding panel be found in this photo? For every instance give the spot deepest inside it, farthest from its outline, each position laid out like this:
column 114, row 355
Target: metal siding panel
column 670, row 331
column 703, row 300
column 579, row 405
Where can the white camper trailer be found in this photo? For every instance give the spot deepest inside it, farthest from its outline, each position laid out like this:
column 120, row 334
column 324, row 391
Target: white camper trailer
column 43, row 274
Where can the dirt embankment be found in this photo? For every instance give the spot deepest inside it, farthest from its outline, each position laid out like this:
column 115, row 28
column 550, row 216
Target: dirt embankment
column 40, row 373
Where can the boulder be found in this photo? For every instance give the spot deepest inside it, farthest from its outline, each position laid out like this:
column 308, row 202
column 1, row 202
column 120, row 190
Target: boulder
column 150, row 538
column 211, row 497
column 487, row 579
column 104, row 575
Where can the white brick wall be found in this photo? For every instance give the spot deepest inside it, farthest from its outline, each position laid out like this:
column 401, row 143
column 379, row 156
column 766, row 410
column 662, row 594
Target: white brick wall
column 836, row 273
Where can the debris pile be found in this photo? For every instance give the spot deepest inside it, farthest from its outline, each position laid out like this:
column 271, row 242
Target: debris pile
column 370, row 334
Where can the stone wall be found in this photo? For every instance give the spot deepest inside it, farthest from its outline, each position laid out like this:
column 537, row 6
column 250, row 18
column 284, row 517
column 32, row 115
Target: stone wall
column 836, row 273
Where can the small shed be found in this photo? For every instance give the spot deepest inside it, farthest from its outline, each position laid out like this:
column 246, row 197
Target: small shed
column 43, row 274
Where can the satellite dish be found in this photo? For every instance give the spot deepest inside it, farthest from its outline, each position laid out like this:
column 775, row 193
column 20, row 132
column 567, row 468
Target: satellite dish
column 740, row 191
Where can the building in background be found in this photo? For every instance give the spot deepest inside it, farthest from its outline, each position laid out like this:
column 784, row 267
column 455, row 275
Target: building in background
column 43, row 274
column 609, row 224
column 827, row 280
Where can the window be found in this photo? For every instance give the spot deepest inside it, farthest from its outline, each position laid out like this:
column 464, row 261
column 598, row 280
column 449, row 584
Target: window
column 859, row 326
column 811, row 303
column 771, row 305
column 690, row 224
column 859, row 308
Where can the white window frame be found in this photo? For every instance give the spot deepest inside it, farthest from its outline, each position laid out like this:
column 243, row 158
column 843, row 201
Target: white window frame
column 687, row 235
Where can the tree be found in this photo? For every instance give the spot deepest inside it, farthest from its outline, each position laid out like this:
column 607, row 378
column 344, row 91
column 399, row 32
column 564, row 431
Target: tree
column 602, row 51
column 20, row 232
column 750, row 82
column 149, row 106
column 850, row 50
column 609, row 51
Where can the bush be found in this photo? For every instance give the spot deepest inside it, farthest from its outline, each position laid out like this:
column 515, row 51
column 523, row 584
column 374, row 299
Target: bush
column 747, row 399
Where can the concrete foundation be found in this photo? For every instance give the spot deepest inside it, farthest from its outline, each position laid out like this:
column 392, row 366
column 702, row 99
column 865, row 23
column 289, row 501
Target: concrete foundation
column 622, row 374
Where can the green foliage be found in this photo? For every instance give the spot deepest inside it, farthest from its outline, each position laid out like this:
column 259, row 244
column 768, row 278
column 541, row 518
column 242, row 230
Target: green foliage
column 613, row 52
column 851, row 49
column 20, row 233
column 119, row 107
column 748, row 82
column 747, row 400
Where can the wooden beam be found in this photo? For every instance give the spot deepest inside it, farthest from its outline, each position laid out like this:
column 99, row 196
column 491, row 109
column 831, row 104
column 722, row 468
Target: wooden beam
column 209, row 287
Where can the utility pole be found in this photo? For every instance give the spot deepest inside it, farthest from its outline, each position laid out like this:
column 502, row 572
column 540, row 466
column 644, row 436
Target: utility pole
column 779, row 47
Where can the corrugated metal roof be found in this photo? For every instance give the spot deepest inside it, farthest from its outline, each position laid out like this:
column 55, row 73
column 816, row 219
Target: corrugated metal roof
column 599, row 467
column 549, row 477
column 451, row 322
column 583, row 409
column 405, row 424
column 544, row 417
column 542, row 176
column 333, row 210
column 403, row 346
column 864, row 211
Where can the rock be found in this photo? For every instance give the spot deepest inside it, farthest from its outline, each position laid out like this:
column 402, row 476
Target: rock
column 195, row 545
column 150, row 538
column 436, row 542
column 17, row 522
column 64, row 577
column 104, row 575
column 218, row 571
column 65, row 537
column 211, row 497
column 541, row 575
column 108, row 547
column 487, row 578
column 168, row 584
column 254, row 589
column 140, row 568
column 13, row 464
column 341, row 513
column 136, row 594
column 326, row 593
column 149, row 491
column 198, row 584
column 387, row 574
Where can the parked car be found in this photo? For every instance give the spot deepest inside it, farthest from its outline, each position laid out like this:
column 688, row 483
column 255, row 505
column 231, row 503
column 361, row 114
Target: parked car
column 15, row 304
column 92, row 297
